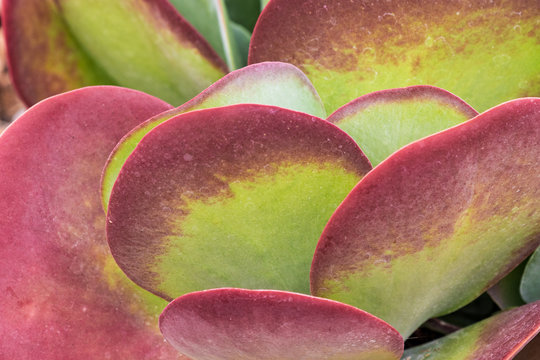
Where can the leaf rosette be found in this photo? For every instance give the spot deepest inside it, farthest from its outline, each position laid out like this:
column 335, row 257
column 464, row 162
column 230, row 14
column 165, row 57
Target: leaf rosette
column 274, row 230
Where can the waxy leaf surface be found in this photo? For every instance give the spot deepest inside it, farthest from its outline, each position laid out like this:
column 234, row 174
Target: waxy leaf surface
column 386, row 120
column 62, row 295
column 485, row 52
column 236, row 324
column 500, row 337
column 530, row 282
column 55, row 46
column 232, row 196
column 438, row 222
column 277, row 84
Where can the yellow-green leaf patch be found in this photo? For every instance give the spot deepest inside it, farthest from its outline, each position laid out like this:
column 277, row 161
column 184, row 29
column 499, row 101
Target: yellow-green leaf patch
column 230, row 197
column 56, row 46
column 485, row 52
column 277, row 84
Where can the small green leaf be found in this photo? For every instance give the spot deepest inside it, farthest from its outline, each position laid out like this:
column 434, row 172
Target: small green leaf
column 384, row 121
column 506, row 292
column 211, row 19
column 530, row 283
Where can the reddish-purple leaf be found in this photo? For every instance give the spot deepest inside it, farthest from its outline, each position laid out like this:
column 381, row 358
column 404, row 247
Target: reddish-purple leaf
column 501, row 337
column 439, row 221
column 61, row 294
column 237, row 324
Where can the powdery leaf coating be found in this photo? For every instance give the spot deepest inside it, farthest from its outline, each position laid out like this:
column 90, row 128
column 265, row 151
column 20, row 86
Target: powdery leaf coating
column 386, row 120
column 237, row 324
column 232, row 196
column 500, row 337
column 62, row 296
column 58, row 45
column 486, row 52
column 271, row 83
column 439, row 221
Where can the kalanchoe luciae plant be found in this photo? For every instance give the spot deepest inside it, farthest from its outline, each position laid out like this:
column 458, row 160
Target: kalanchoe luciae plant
column 235, row 187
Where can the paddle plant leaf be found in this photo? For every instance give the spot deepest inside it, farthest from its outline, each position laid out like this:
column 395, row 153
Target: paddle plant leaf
column 485, row 52
column 233, row 324
column 58, row 45
column 530, row 282
column 500, row 337
column 277, row 84
column 231, row 196
column 386, row 120
column 63, row 297
column 438, row 222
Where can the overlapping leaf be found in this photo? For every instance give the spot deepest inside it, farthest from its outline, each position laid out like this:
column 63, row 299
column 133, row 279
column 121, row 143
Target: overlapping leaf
column 55, row 46
column 211, row 19
column 277, row 84
column 411, row 240
column 485, row 52
column 500, row 337
column 233, row 324
column 384, row 121
column 62, row 295
column 232, row 196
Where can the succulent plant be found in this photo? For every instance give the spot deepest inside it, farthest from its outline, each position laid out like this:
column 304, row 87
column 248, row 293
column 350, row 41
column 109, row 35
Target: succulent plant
column 249, row 221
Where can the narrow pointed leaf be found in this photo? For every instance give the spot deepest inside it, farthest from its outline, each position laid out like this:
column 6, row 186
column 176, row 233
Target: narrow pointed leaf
column 439, row 222
column 485, row 52
column 234, row 324
column 62, row 296
column 232, row 196
column 55, row 46
column 211, row 19
column 277, row 84
column 384, row 121
column 500, row 337
column 242, row 37
column 530, row 282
